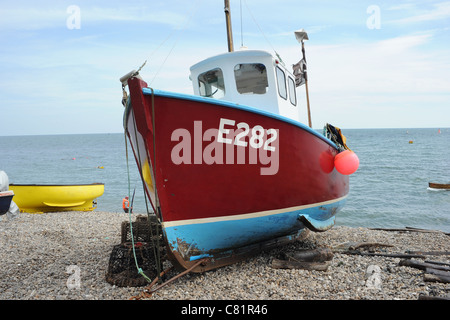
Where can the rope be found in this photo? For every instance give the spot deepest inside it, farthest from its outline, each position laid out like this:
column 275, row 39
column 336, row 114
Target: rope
column 156, row 247
column 140, row 271
column 260, row 30
column 242, row 34
column 157, row 252
column 182, row 29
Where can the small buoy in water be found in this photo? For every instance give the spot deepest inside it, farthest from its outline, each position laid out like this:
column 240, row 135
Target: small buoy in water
column 346, row 162
column 411, row 142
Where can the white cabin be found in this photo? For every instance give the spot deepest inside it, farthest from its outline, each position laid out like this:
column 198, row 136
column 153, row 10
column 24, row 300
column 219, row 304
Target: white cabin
column 249, row 77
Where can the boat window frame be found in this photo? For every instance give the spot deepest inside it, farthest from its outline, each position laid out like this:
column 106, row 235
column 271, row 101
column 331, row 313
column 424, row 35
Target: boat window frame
column 292, row 91
column 281, row 84
column 203, row 85
column 262, row 82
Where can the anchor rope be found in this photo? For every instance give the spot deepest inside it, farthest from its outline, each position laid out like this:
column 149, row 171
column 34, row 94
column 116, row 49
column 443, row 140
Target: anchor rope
column 156, row 248
column 140, row 271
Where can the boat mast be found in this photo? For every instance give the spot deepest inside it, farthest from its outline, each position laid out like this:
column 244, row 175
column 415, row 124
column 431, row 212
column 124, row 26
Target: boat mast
column 229, row 30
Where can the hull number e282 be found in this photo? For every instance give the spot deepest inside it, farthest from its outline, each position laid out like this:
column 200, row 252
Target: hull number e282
column 257, row 134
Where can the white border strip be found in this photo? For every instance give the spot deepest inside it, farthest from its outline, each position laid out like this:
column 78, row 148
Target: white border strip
column 248, row 215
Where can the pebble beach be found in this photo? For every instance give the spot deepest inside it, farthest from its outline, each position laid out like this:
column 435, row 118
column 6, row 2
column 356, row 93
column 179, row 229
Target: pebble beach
column 42, row 253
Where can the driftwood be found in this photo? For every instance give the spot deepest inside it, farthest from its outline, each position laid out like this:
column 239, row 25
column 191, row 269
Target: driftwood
column 436, row 278
column 425, row 297
column 438, row 262
column 422, row 265
column 316, row 255
column 430, row 253
column 434, row 271
column 351, row 246
column 388, row 255
column 286, row 264
column 437, row 272
column 316, row 259
column 410, row 229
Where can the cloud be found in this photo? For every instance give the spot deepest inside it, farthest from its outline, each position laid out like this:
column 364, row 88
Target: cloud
column 43, row 17
column 395, row 82
column 396, row 65
column 440, row 11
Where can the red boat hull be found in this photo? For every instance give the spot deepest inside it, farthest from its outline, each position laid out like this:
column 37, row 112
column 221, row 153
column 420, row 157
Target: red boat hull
column 207, row 169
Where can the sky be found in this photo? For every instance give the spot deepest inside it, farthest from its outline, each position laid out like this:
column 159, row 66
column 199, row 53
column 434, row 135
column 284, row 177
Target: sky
column 371, row 64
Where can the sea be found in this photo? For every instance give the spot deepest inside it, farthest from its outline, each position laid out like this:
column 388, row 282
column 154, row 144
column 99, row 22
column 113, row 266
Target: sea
column 389, row 190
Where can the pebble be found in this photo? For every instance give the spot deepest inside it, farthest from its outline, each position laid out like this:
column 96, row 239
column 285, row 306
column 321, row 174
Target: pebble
column 65, row 256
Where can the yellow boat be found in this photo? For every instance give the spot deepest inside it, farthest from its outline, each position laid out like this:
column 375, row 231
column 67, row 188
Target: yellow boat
column 34, row 198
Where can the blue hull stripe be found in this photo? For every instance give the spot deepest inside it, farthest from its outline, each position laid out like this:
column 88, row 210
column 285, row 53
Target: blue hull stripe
column 215, row 234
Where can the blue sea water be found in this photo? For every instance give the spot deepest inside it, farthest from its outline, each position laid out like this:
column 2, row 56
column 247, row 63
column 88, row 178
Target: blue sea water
column 389, row 190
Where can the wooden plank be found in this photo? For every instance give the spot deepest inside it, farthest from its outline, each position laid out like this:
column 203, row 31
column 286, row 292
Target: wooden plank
column 422, row 265
column 435, row 278
column 285, row 264
column 315, row 255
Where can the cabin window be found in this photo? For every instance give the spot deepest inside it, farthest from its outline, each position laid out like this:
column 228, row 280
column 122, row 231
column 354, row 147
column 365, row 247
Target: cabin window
column 211, row 84
column 292, row 96
column 281, row 83
column 251, row 78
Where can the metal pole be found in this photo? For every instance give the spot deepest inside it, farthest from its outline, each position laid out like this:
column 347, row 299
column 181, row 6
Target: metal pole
column 306, row 87
column 229, row 29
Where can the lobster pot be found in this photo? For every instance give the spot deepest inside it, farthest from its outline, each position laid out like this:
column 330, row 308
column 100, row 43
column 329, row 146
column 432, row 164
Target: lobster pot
column 142, row 229
column 122, row 270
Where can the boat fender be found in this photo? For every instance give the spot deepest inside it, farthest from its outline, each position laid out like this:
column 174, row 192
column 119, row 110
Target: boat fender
column 346, row 162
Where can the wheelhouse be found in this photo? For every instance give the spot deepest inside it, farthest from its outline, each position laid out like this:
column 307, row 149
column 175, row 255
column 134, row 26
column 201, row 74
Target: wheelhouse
column 248, row 77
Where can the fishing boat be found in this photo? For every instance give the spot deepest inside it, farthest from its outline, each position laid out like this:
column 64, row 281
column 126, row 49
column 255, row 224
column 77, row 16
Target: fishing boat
column 230, row 170
column 39, row 198
column 6, row 195
column 443, row 186
column 5, row 201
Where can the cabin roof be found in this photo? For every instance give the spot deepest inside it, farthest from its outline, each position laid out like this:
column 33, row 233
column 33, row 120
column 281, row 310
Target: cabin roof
column 234, row 56
column 248, row 77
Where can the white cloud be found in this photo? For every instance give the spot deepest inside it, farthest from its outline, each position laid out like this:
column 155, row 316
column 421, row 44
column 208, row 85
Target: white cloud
column 439, row 12
column 51, row 16
column 395, row 82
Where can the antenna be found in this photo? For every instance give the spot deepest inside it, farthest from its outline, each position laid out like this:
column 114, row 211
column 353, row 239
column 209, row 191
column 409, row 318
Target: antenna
column 301, row 36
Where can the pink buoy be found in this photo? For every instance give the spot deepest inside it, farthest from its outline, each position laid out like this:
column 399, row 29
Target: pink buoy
column 346, row 162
